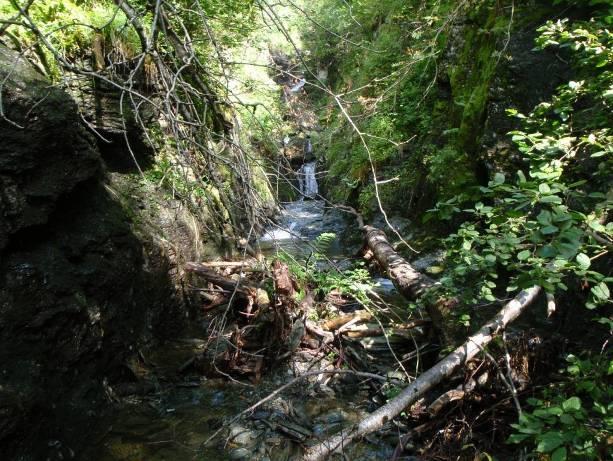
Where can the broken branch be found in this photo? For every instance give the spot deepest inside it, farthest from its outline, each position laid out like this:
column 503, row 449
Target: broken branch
column 443, row 369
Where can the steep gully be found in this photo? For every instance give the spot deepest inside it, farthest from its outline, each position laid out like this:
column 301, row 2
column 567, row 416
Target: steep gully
column 175, row 417
column 185, row 409
column 154, row 407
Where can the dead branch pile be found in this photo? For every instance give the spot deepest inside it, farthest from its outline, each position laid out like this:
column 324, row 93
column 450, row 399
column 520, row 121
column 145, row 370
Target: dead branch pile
column 427, row 380
column 171, row 81
column 252, row 329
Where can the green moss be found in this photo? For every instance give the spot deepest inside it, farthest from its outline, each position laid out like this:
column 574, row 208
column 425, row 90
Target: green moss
column 472, row 73
column 470, row 78
column 417, row 130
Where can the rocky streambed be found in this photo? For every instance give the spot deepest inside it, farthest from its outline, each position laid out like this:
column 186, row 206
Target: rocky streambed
column 104, row 347
column 183, row 409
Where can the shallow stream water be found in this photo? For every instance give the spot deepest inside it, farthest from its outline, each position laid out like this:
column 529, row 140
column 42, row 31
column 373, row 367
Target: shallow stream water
column 173, row 422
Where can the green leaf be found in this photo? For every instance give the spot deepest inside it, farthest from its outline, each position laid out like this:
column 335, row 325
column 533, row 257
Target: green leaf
column 573, row 403
column 583, row 260
column 517, row 438
column 549, row 441
column 544, row 217
column 523, row 255
column 547, row 251
column 559, row 454
column 597, row 226
column 550, row 199
column 601, row 291
column 549, row 230
column 499, row 178
column 544, row 188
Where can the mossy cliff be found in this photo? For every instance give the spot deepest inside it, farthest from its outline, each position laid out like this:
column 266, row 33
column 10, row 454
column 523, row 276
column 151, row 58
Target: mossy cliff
column 91, row 253
column 429, row 85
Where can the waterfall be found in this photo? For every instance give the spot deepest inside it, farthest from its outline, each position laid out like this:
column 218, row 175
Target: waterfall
column 298, row 86
column 307, row 180
column 308, row 147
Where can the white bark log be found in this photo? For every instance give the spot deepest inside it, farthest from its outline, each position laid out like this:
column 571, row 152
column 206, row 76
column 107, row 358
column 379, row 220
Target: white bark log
column 427, row 380
column 412, row 284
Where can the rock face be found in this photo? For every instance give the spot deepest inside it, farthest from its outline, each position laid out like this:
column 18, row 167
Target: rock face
column 44, row 151
column 80, row 288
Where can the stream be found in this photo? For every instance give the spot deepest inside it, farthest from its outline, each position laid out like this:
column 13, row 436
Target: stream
column 174, row 419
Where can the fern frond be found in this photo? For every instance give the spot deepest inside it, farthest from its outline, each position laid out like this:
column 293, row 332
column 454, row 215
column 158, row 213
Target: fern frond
column 323, row 242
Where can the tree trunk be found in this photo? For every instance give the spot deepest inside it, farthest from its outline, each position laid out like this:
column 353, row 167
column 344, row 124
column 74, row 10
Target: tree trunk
column 426, row 381
column 254, row 295
column 413, row 284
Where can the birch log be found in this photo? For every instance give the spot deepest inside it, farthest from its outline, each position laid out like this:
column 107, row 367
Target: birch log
column 412, row 284
column 427, row 380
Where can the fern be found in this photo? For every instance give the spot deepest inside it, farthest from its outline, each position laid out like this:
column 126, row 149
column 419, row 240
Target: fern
column 355, row 282
column 323, row 242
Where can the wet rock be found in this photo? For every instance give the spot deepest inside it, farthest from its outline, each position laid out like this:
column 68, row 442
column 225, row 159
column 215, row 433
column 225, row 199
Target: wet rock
column 218, row 398
column 332, row 416
column 293, row 430
column 425, row 262
column 241, row 453
column 325, row 390
column 399, row 224
column 80, row 287
column 45, row 151
column 279, row 406
column 241, row 435
column 14, row 412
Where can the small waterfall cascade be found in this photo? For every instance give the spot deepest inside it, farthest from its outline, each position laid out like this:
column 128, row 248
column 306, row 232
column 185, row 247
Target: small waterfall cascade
column 307, row 180
column 308, row 147
column 298, row 86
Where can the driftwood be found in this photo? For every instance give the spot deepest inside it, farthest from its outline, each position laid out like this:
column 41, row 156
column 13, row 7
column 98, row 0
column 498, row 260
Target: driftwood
column 245, row 266
column 412, row 284
column 285, row 286
column 427, row 380
column 313, row 329
column 216, row 279
column 337, row 322
column 400, row 330
column 253, row 295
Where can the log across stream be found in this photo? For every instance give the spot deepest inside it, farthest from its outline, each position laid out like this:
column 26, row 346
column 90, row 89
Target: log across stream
column 271, row 375
column 172, row 406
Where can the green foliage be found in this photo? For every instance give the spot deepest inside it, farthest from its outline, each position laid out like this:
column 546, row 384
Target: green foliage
column 322, row 244
column 388, row 60
column 380, row 55
column 314, row 271
column 471, row 76
column 571, row 420
column 70, row 27
column 546, row 225
column 540, row 226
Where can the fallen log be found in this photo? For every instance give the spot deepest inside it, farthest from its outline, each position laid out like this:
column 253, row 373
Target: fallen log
column 337, row 322
column 400, row 330
column 246, row 263
column 427, row 380
column 254, row 294
column 245, row 266
column 412, row 284
column 215, row 279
